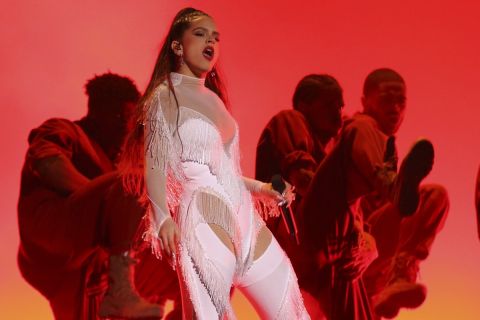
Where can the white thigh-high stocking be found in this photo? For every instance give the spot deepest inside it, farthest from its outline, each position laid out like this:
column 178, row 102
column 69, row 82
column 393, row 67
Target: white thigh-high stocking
column 225, row 263
column 271, row 286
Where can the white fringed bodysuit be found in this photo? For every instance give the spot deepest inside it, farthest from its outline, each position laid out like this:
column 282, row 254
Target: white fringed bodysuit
column 192, row 171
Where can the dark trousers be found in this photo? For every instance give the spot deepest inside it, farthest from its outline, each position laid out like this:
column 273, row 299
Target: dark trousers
column 65, row 242
column 412, row 235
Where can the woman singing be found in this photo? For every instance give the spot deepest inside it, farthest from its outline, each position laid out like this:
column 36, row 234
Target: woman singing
column 202, row 213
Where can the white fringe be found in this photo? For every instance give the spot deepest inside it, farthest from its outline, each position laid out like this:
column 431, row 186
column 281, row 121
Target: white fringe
column 205, row 269
column 215, row 210
column 159, row 141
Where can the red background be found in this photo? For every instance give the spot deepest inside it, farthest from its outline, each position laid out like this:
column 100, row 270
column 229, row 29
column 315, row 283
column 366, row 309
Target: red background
column 50, row 48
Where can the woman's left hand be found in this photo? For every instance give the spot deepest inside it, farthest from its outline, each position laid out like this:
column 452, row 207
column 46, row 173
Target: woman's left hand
column 285, row 198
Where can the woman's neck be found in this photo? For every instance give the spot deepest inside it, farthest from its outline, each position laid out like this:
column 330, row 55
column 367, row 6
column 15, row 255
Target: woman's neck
column 183, row 79
column 186, row 71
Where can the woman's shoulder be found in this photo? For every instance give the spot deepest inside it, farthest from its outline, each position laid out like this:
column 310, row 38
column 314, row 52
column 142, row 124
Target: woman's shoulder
column 159, row 103
column 162, row 89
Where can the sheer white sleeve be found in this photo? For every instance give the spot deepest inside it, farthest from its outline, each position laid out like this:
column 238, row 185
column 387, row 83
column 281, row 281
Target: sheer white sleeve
column 163, row 174
column 265, row 206
column 156, row 181
column 252, row 185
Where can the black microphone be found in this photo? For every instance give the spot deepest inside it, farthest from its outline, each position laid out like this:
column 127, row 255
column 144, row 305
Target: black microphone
column 288, row 218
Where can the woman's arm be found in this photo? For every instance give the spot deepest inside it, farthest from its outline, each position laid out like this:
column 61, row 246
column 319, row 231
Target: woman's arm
column 166, row 229
column 155, row 182
column 266, row 189
column 254, row 186
column 159, row 156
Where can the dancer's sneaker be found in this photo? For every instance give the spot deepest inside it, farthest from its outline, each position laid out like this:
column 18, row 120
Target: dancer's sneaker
column 414, row 168
column 401, row 291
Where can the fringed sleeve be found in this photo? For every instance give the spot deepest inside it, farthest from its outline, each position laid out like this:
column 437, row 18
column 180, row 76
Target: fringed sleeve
column 163, row 174
column 266, row 206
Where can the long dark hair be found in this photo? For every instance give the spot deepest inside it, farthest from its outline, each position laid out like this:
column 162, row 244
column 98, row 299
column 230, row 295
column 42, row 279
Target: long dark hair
column 132, row 162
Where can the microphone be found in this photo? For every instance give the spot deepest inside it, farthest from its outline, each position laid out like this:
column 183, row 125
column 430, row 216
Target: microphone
column 288, row 218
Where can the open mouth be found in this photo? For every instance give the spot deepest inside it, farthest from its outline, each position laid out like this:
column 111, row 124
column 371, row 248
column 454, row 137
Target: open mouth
column 208, row 53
